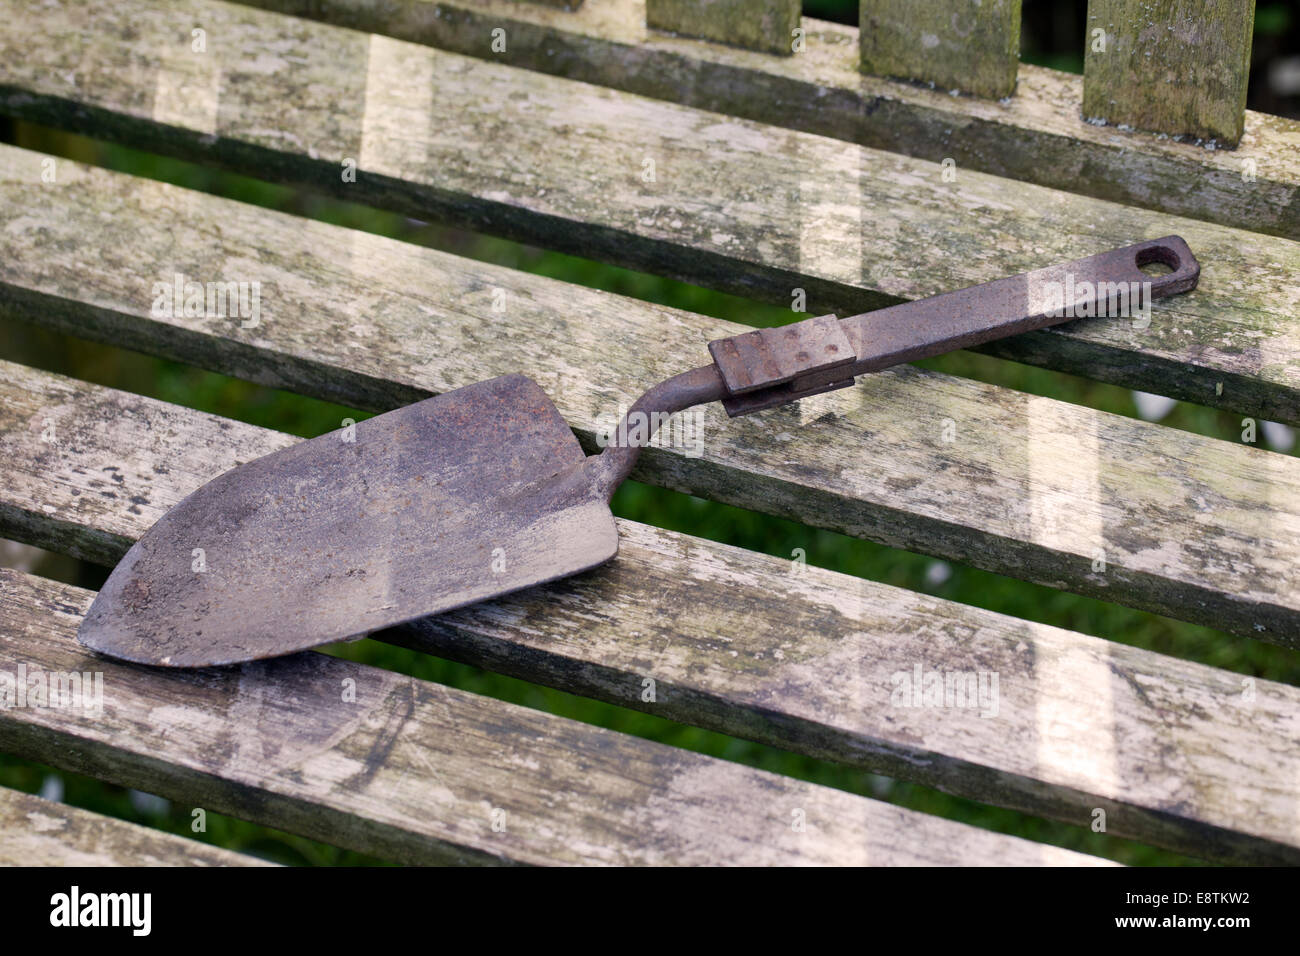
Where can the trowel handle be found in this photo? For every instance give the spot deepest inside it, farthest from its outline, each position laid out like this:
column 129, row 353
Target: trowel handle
column 770, row 367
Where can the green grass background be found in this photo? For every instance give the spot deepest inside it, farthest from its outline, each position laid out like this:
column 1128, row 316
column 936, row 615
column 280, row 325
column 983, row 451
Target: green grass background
column 222, row 395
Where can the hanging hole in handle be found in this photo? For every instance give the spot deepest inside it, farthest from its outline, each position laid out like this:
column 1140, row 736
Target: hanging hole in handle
column 1156, row 261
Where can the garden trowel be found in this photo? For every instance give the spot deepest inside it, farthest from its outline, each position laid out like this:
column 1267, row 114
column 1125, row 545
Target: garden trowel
column 484, row 490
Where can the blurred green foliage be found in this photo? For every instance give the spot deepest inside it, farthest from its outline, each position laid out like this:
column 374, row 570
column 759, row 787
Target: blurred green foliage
column 270, row 408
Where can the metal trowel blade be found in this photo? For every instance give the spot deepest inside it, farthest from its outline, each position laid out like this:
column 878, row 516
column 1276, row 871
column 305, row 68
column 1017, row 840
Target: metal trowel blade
column 472, row 494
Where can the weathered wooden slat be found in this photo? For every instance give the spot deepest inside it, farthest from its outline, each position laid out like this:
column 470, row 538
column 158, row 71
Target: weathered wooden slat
column 766, row 25
column 1186, row 526
column 738, row 642
column 967, row 45
column 722, row 202
column 1171, row 66
column 1036, row 136
column 417, row 772
column 36, row 832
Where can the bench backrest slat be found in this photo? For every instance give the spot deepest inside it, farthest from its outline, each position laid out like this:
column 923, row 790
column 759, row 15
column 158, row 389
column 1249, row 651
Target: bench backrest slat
column 37, row 832
column 766, row 25
column 1171, row 66
column 954, row 44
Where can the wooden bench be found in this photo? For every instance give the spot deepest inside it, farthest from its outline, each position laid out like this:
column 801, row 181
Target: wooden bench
column 771, row 174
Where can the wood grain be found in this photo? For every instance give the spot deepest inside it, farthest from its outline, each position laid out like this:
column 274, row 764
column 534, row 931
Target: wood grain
column 967, row 45
column 752, row 645
column 1171, row 66
column 742, row 207
column 766, row 25
column 1037, row 136
column 36, row 832
column 1198, row 529
column 420, row 773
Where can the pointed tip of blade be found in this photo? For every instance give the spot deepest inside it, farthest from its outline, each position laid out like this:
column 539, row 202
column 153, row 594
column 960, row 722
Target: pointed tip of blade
column 106, row 630
column 102, row 638
column 112, row 644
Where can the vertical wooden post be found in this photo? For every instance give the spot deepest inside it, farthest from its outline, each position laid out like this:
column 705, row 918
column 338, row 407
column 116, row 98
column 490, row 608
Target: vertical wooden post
column 1169, row 66
column 766, row 25
column 967, row 45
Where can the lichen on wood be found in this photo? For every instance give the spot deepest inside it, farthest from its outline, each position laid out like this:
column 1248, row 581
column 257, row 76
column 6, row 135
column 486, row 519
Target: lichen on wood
column 1170, row 66
column 967, row 45
column 766, row 25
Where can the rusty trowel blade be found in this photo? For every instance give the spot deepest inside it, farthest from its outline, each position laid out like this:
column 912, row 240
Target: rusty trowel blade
column 454, row 499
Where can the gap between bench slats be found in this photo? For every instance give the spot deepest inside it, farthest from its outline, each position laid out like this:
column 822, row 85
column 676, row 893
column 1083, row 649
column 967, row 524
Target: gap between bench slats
column 747, row 208
column 733, row 641
column 1037, row 135
column 418, row 773
column 1195, row 528
column 36, row 832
